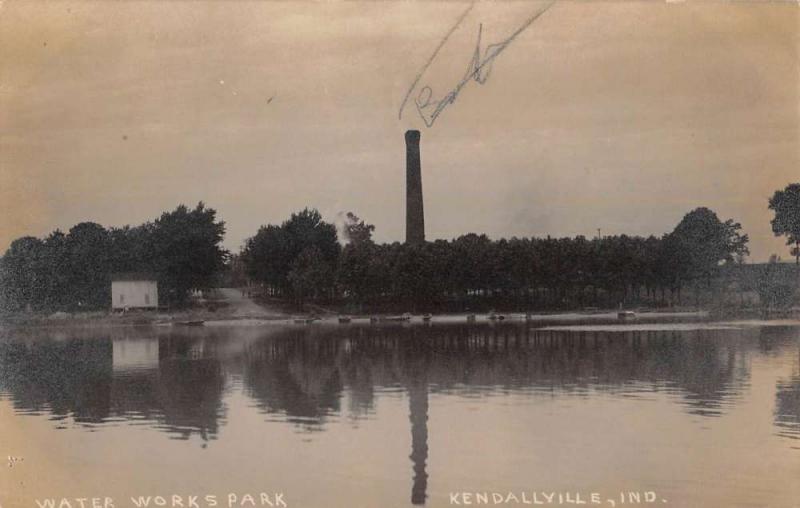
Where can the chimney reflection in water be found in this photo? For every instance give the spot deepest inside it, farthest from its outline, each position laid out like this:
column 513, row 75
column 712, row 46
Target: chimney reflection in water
column 418, row 414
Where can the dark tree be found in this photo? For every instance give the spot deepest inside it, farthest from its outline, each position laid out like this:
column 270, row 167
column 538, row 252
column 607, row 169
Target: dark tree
column 73, row 271
column 187, row 250
column 356, row 274
column 272, row 254
column 307, row 229
column 57, row 294
column 310, row 275
column 87, row 268
column 786, row 205
column 267, row 257
column 701, row 242
column 22, row 277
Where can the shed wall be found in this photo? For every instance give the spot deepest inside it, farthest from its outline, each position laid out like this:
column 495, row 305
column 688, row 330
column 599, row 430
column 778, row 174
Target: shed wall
column 134, row 294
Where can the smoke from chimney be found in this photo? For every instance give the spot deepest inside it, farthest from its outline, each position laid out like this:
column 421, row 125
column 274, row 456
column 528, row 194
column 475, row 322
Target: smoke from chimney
column 415, row 215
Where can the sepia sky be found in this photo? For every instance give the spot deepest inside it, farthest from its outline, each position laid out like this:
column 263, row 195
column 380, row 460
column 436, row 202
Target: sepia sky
column 614, row 115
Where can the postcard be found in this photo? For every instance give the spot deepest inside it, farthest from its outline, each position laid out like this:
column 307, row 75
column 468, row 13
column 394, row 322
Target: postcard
column 403, row 253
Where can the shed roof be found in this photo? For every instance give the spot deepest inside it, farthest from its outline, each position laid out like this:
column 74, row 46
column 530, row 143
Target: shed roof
column 134, row 276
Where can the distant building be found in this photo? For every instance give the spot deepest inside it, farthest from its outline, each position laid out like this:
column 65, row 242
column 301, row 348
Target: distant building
column 134, row 291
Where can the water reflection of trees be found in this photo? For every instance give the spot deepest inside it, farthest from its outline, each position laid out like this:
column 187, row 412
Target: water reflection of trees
column 787, row 404
column 181, row 391
column 292, row 376
column 787, row 407
column 63, row 378
column 303, row 371
column 190, row 387
column 300, row 374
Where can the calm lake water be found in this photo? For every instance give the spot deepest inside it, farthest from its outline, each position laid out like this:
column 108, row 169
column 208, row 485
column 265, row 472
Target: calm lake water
column 374, row 416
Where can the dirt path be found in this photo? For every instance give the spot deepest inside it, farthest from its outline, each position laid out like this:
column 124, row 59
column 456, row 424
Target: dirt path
column 243, row 307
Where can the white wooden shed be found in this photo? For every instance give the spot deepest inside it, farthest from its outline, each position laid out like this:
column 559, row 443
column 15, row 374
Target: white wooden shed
column 134, row 291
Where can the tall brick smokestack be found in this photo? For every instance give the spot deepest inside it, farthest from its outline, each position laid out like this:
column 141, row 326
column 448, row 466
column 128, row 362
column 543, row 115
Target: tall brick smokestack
column 415, row 215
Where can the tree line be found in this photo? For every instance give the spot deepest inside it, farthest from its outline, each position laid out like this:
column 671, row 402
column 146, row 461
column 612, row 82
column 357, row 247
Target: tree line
column 73, row 270
column 308, row 259
column 302, row 259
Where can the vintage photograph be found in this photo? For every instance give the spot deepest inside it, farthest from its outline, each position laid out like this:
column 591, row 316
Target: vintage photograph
column 368, row 254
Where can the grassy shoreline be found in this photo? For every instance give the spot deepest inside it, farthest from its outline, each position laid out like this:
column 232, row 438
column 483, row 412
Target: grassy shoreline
column 226, row 316
column 106, row 319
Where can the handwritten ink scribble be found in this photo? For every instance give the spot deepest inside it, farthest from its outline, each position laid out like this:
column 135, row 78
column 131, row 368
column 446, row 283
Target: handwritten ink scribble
column 480, row 65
